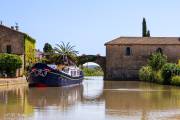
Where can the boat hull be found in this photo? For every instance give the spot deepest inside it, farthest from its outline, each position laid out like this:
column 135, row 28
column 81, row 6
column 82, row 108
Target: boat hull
column 44, row 76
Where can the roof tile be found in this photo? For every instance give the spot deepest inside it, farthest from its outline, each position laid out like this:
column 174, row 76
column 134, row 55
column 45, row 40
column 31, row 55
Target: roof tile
column 145, row 41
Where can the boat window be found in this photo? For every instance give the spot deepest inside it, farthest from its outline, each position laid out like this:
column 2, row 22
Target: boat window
column 71, row 73
column 52, row 66
column 66, row 70
column 74, row 73
column 78, row 72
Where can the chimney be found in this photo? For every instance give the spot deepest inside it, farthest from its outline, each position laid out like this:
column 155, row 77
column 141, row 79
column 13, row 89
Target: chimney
column 17, row 27
column 1, row 22
column 12, row 27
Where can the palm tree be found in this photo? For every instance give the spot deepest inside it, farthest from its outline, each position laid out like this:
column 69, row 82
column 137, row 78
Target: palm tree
column 66, row 53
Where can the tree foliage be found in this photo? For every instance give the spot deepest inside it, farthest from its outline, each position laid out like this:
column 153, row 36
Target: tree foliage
column 144, row 28
column 157, row 60
column 148, row 34
column 47, row 48
column 9, row 63
column 159, row 71
column 146, row 73
column 66, row 53
column 168, row 71
column 145, row 32
column 175, row 80
column 92, row 71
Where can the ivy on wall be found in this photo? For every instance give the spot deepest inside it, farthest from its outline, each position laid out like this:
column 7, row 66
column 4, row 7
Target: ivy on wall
column 29, row 50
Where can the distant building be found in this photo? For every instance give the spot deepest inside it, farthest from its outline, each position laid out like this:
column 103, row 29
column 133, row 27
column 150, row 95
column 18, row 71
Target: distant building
column 126, row 55
column 15, row 42
column 39, row 55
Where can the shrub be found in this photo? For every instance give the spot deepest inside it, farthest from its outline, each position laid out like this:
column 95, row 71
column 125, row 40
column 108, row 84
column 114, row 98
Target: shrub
column 157, row 60
column 9, row 63
column 158, row 77
column 168, row 71
column 175, row 80
column 92, row 71
column 177, row 71
column 146, row 73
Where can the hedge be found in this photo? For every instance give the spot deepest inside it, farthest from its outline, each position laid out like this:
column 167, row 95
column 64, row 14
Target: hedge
column 9, row 63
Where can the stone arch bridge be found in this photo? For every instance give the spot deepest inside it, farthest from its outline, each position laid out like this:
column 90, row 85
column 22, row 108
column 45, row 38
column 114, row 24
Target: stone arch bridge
column 100, row 60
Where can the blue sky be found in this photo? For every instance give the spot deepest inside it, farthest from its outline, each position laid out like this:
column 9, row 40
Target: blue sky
column 88, row 24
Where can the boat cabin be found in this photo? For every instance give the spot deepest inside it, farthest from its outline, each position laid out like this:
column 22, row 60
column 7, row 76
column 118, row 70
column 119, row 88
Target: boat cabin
column 72, row 71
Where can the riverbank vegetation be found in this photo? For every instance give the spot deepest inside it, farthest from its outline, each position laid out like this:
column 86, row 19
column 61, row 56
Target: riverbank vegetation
column 97, row 71
column 9, row 63
column 158, row 70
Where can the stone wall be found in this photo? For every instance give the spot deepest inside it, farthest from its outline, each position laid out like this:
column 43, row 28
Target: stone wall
column 13, row 38
column 16, row 40
column 122, row 67
column 20, row 72
column 12, row 81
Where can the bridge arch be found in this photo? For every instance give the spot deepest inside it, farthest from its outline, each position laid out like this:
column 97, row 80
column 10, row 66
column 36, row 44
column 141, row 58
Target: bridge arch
column 100, row 60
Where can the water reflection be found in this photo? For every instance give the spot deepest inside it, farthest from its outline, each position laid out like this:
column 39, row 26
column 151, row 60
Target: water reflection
column 62, row 97
column 13, row 102
column 141, row 100
column 94, row 99
column 93, row 88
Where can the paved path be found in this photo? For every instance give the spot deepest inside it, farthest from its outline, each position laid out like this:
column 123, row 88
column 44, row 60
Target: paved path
column 12, row 81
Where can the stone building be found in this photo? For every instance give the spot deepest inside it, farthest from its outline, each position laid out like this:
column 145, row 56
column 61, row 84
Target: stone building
column 13, row 41
column 126, row 55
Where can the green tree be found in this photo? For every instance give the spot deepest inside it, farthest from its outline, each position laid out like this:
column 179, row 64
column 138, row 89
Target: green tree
column 9, row 63
column 168, row 71
column 145, row 32
column 157, row 60
column 148, row 34
column 47, row 48
column 66, row 53
column 48, row 52
column 146, row 73
column 144, row 28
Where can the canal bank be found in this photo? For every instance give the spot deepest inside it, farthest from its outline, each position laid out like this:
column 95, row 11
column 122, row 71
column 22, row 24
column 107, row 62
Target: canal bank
column 12, row 81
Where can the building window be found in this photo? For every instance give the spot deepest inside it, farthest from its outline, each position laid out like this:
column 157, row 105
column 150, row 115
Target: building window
column 159, row 50
column 8, row 49
column 128, row 51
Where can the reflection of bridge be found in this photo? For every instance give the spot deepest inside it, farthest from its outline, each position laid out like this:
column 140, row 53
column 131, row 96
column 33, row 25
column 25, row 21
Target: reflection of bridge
column 100, row 60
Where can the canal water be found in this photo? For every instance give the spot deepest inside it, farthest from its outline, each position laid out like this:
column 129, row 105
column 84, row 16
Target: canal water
column 93, row 100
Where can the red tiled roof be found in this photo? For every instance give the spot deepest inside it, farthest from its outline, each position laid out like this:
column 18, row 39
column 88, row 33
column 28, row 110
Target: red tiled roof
column 3, row 26
column 145, row 41
column 19, row 32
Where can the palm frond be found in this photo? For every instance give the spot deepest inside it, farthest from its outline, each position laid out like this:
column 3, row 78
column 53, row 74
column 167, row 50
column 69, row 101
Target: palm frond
column 66, row 50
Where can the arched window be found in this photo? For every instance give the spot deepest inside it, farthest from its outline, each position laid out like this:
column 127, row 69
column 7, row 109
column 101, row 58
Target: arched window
column 128, row 51
column 159, row 50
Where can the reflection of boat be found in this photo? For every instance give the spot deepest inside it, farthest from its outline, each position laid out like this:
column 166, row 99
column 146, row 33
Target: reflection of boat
column 56, row 96
column 43, row 75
